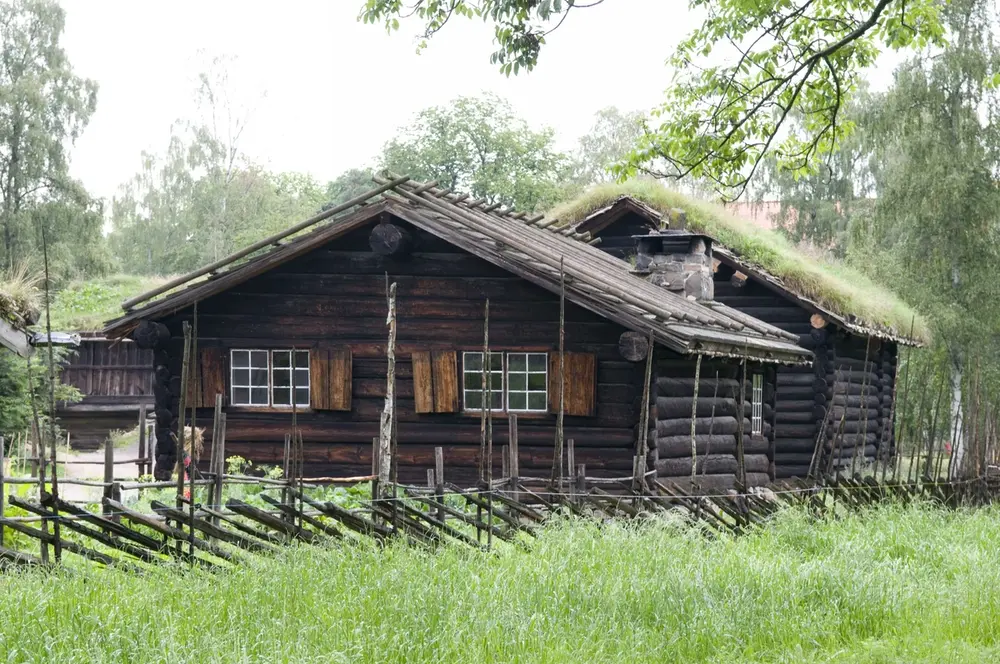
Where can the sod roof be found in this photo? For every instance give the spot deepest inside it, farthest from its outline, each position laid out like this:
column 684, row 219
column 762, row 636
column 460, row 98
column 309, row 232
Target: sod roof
column 831, row 285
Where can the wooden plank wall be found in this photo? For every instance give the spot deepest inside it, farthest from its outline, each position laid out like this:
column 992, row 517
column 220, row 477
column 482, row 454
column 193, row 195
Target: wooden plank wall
column 335, row 296
column 110, row 369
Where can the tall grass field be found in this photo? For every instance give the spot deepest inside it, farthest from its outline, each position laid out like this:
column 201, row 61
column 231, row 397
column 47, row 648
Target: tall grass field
column 916, row 584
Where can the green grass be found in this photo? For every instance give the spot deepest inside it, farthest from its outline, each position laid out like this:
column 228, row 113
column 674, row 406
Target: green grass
column 84, row 306
column 892, row 585
column 836, row 286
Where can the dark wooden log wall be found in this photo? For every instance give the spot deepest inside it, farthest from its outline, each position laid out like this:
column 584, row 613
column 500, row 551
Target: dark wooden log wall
column 717, row 423
column 115, row 377
column 804, row 396
column 335, row 296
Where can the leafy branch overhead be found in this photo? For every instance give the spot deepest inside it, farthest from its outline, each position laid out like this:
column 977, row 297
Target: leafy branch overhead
column 519, row 26
column 781, row 59
column 738, row 78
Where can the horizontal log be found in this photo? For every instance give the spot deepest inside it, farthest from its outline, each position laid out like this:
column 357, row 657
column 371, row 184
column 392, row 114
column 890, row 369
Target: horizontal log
column 855, row 377
column 784, row 416
column 851, row 427
column 712, row 464
column 680, row 446
column 795, row 379
column 795, row 393
column 718, row 425
column 854, row 414
column 684, row 387
column 849, row 439
column 795, row 430
column 715, row 484
column 788, row 470
column 792, row 459
column 855, row 401
column 795, row 406
column 680, row 407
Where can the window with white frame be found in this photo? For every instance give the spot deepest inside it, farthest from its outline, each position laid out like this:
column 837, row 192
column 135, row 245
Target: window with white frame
column 472, row 381
column 264, row 378
column 518, row 381
column 757, row 405
column 527, row 381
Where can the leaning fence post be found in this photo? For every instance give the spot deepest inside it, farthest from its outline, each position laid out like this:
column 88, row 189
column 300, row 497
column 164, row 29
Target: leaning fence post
column 513, row 456
column 439, row 479
column 141, row 461
column 2, row 463
column 581, row 480
column 109, row 474
column 570, row 458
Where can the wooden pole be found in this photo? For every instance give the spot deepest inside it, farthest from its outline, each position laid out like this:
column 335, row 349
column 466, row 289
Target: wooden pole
column 570, row 458
column 220, row 464
column 52, row 397
column 741, row 466
column 486, row 375
column 932, row 434
column 38, row 459
column 514, row 457
column 143, row 452
column 109, row 473
column 904, row 398
column 642, row 444
column 439, row 480
column 385, row 423
column 3, row 461
column 181, row 404
column 865, row 384
column 694, row 413
column 215, row 465
column 557, row 457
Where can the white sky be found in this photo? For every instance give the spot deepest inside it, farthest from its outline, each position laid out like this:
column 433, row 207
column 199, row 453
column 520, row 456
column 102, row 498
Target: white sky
column 336, row 89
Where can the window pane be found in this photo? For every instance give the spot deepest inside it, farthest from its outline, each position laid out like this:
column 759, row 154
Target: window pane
column 517, row 401
column 258, row 396
column 536, row 381
column 517, row 381
column 301, row 377
column 258, row 377
column 240, row 358
column 473, row 361
column 537, row 361
column 473, row 400
column 241, row 376
column 496, row 361
column 241, row 396
column 258, row 359
column 516, row 362
column 282, row 397
column 302, row 396
column 496, row 381
column 496, row 398
column 280, row 358
column 473, row 381
column 537, row 401
column 281, row 378
column 302, row 359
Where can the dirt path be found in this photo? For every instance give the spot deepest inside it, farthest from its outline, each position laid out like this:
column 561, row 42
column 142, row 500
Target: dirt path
column 94, row 470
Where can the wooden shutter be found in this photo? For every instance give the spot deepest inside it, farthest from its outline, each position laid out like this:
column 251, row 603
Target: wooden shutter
column 435, row 381
column 330, row 378
column 423, row 382
column 210, row 379
column 213, row 375
column 579, row 390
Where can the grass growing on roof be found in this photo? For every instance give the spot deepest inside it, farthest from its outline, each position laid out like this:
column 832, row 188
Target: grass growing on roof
column 20, row 296
column 916, row 584
column 84, row 306
column 836, row 286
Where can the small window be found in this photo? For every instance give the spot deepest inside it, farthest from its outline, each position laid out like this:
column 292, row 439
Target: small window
column 263, row 378
column 472, row 377
column 527, row 381
column 757, row 406
column 518, row 381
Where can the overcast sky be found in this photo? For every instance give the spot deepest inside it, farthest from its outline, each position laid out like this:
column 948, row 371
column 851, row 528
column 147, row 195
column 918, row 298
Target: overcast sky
column 336, row 89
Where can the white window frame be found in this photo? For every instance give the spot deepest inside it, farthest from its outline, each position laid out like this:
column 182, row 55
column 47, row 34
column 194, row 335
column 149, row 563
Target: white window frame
column 527, row 392
column 270, row 386
column 479, row 372
column 757, row 405
column 505, row 381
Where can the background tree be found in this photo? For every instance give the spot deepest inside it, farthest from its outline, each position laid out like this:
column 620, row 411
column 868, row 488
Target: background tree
column 44, row 106
column 479, row 145
column 611, row 137
column 738, row 78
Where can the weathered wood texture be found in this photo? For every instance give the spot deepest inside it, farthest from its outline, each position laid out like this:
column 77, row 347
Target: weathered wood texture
column 334, row 298
column 115, row 377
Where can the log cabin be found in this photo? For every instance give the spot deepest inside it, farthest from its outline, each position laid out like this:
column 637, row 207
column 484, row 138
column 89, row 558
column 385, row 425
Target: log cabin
column 843, row 405
column 299, row 330
column 115, row 379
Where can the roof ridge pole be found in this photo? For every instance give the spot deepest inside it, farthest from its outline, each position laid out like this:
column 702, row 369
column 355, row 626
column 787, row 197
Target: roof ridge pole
column 604, row 279
column 260, row 244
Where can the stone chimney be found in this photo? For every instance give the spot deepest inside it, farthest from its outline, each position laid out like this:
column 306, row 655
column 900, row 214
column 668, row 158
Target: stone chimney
column 677, row 259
